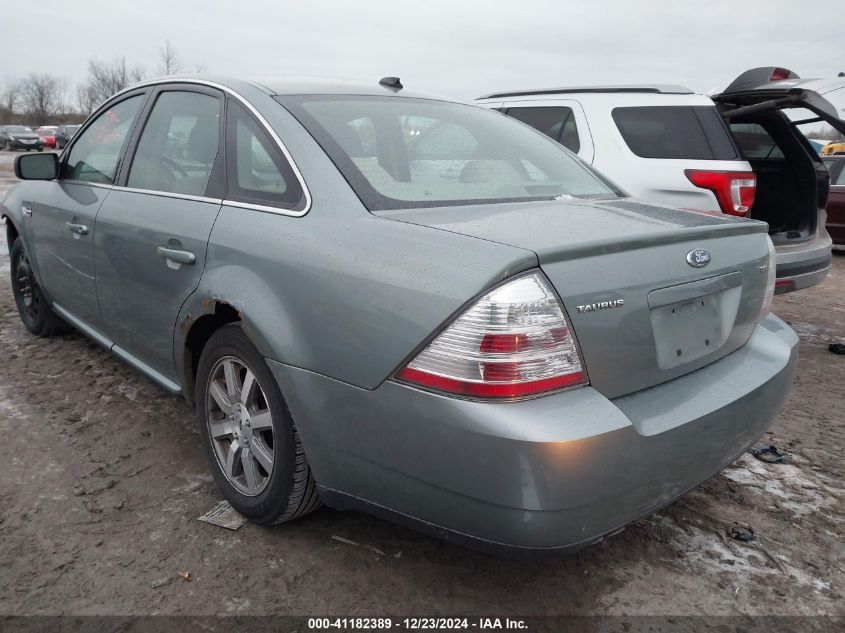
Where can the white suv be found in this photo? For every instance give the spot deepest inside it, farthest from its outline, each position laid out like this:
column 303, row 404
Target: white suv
column 735, row 152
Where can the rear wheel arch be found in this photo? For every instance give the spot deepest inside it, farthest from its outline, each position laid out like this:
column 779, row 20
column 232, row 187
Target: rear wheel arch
column 197, row 335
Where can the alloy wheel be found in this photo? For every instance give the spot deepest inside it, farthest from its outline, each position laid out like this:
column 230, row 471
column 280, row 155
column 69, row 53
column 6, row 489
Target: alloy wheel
column 240, row 425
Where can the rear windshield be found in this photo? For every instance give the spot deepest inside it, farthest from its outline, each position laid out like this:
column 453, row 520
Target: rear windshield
column 403, row 153
column 18, row 129
column 686, row 132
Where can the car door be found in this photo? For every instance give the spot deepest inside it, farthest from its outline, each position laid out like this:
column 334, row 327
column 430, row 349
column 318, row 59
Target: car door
column 152, row 231
column 63, row 215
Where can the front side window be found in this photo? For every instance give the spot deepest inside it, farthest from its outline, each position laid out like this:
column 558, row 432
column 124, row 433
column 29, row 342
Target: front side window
column 178, row 146
column 95, row 154
column 685, row 132
column 256, row 172
column 556, row 122
column 404, row 153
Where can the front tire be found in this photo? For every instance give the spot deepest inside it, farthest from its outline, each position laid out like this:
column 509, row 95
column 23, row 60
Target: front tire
column 252, row 445
column 37, row 316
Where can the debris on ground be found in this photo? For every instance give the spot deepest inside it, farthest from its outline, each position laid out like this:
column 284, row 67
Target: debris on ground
column 224, row 515
column 160, row 582
column 744, row 534
column 370, row 548
column 769, row 454
column 186, row 576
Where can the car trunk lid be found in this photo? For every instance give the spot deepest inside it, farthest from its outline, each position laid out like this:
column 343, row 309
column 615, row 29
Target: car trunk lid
column 764, row 108
column 641, row 312
column 754, row 91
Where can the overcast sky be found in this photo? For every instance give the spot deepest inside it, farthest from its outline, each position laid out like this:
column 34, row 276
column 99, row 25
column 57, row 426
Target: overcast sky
column 457, row 48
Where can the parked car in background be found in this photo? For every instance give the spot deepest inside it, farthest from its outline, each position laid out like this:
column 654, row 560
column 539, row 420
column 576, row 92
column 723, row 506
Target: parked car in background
column 48, row 135
column 736, row 152
column 64, row 134
column 19, row 137
column 382, row 300
column 836, row 201
column 832, row 149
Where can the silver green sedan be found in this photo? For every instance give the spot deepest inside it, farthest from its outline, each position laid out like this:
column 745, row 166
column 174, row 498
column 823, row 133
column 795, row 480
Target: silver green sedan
column 386, row 301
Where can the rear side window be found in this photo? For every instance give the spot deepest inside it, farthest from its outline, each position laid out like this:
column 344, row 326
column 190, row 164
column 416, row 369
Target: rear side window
column 94, row 155
column 558, row 123
column 256, row 172
column 686, row 132
column 755, row 141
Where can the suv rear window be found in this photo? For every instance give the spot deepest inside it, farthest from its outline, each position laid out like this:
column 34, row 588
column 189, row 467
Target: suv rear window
column 686, row 132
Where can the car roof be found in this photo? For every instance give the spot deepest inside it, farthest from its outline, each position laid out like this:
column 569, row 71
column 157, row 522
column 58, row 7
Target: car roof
column 643, row 88
column 289, row 86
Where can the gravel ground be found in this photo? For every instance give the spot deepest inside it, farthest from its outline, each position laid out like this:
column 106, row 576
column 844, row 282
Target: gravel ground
column 104, row 478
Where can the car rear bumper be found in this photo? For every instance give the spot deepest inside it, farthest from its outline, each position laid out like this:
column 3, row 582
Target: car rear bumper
column 803, row 265
column 552, row 473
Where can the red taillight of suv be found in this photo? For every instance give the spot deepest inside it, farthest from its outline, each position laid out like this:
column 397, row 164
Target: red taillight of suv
column 734, row 190
column 513, row 342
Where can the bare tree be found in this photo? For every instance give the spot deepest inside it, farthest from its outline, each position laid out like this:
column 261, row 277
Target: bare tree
column 10, row 96
column 104, row 79
column 170, row 63
column 42, row 96
column 86, row 99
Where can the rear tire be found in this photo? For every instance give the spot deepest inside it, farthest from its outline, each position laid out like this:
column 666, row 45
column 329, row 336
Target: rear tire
column 252, row 445
column 36, row 314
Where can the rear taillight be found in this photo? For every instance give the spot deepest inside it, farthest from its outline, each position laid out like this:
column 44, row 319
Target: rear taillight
column 771, row 282
column 514, row 341
column 734, row 190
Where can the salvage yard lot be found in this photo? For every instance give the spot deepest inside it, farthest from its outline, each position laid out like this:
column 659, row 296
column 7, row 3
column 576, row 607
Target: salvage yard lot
column 104, row 477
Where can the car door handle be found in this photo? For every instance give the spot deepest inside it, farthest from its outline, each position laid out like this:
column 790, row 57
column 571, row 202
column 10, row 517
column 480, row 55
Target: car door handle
column 77, row 229
column 176, row 255
column 26, row 208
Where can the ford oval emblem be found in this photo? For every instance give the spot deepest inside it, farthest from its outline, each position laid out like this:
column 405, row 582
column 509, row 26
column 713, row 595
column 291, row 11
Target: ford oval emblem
column 698, row 258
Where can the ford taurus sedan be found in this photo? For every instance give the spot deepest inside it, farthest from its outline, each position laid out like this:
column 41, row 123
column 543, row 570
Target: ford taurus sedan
column 385, row 301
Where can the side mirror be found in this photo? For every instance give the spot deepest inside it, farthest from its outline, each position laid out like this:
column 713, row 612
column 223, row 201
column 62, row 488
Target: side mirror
column 37, row 166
